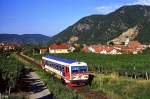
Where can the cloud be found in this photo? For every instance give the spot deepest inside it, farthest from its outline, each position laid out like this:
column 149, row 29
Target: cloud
column 142, row 2
column 110, row 8
column 106, row 9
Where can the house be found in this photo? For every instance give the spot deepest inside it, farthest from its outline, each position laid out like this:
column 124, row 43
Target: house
column 59, row 48
column 91, row 49
column 101, row 49
column 1, row 46
column 43, row 50
column 7, row 47
column 114, row 52
column 103, row 52
column 72, row 49
column 134, row 47
column 85, row 49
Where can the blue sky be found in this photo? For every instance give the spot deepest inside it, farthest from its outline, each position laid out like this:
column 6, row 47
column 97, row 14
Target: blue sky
column 49, row 17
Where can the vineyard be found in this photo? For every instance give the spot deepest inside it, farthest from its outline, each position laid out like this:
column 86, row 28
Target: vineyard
column 120, row 76
column 10, row 71
column 134, row 66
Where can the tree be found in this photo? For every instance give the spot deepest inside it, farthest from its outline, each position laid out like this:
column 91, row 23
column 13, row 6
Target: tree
column 111, row 43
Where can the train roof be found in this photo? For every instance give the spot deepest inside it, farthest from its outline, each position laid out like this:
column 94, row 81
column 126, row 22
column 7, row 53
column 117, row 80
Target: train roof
column 60, row 60
column 69, row 61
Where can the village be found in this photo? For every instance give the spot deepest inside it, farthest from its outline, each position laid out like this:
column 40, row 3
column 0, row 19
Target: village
column 132, row 47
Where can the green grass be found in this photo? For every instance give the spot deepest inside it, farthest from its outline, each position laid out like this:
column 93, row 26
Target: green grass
column 139, row 61
column 10, row 70
column 122, row 88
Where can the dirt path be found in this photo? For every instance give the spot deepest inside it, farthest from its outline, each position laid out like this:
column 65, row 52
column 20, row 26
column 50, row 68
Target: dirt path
column 33, row 84
column 38, row 88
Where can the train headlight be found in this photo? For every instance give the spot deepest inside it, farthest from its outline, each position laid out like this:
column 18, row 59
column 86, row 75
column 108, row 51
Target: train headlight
column 72, row 78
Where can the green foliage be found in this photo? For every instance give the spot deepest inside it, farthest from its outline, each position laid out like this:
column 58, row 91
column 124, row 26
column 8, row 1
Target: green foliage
column 10, row 70
column 122, row 88
column 5, row 53
column 31, row 49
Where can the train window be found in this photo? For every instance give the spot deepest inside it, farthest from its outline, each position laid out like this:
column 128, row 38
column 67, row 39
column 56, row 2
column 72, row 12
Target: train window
column 74, row 69
column 62, row 68
column 78, row 69
column 59, row 67
column 50, row 64
column 54, row 65
column 83, row 69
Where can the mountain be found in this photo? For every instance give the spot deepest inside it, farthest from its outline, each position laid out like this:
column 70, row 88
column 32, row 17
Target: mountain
column 104, row 28
column 130, row 34
column 34, row 39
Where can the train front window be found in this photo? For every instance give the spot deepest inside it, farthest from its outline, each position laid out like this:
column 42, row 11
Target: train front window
column 78, row 69
column 74, row 69
column 83, row 69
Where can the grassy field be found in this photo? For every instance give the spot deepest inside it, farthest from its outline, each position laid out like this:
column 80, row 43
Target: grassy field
column 122, row 88
column 139, row 61
column 125, row 65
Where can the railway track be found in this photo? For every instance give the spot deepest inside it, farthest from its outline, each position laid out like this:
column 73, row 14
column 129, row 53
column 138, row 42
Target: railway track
column 84, row 91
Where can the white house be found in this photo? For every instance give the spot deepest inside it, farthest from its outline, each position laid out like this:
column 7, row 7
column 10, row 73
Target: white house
column 103, row 52
column 59, row 48
column 91, row 49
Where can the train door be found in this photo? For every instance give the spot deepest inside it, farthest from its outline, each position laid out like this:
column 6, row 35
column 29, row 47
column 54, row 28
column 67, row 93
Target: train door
column 66, row 69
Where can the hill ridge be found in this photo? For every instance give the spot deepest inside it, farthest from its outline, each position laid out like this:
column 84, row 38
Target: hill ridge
column 34, row 39
column 103, row 28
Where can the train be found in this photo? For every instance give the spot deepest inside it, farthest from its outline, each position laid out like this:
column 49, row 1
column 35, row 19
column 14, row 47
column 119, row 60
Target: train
column 72, row 72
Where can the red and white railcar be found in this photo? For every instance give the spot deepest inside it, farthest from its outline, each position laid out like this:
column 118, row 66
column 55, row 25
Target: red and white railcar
column 73, row 72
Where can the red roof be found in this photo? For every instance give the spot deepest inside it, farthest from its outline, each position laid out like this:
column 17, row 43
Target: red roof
column 85, row 49
column 134, row 45
column 59, row 46
column 100, row 48
column 1, row 46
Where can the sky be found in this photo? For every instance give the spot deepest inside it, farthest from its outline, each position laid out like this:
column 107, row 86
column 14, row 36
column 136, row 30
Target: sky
column 50, row 17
